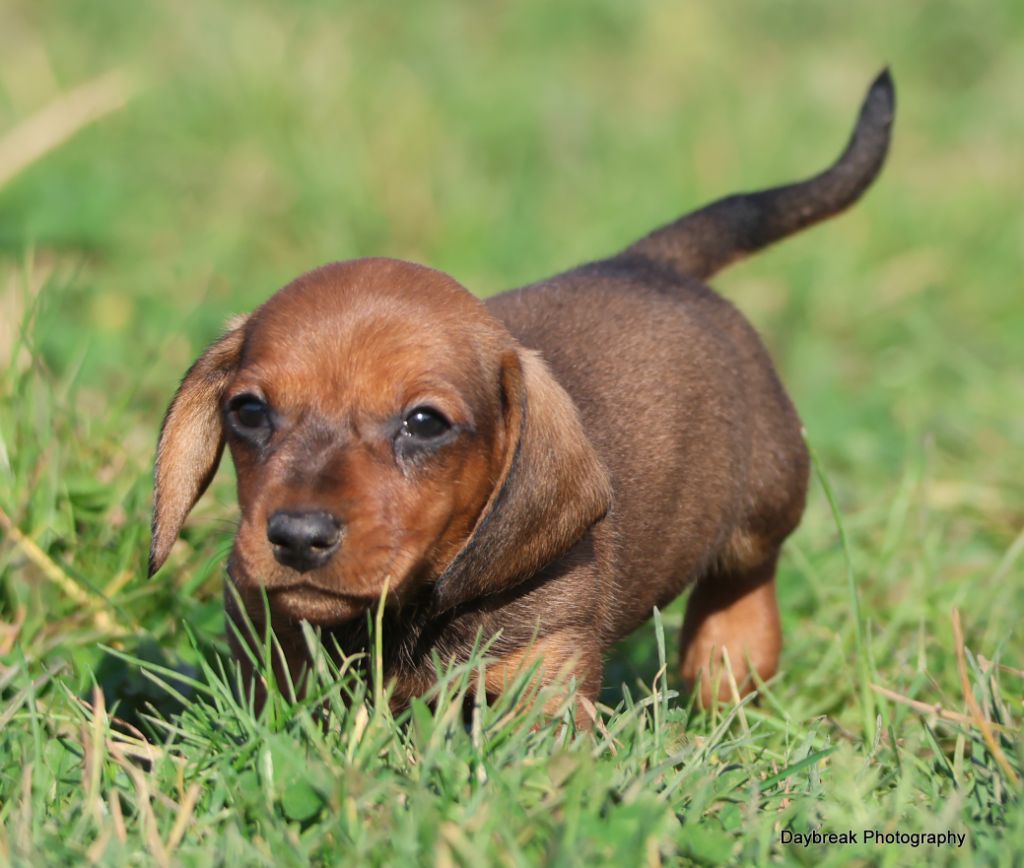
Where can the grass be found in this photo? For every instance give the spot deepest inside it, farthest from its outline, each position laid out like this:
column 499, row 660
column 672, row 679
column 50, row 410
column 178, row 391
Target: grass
column 165, row 165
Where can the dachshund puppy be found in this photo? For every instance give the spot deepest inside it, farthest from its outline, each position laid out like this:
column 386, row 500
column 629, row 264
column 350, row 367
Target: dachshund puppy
column 542, row 468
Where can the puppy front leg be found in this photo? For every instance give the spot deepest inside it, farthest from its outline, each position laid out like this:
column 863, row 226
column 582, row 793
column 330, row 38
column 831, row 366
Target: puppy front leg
column 292, row 669
column 736, row 612
column 558, row 657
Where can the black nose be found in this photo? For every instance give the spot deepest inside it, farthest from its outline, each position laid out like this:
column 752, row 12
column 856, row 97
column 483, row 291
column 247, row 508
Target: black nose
column 303, row 540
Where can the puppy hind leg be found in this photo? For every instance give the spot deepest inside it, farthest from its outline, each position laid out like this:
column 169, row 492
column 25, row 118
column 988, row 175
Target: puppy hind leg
column 736, row 612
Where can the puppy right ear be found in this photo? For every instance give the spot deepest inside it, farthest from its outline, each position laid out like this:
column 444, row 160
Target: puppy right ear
column 191, row 440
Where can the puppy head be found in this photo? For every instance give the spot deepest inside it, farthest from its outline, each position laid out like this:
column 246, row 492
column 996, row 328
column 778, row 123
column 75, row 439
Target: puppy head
column 386, row 430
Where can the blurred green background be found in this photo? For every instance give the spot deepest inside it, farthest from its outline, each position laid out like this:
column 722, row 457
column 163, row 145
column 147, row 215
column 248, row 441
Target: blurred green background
column 239, row 144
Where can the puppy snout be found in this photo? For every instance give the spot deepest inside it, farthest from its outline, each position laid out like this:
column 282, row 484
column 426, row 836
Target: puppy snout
column 303, row 540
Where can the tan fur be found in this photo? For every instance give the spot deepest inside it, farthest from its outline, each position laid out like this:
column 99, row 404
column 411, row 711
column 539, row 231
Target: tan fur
column 556, row 657
column 738, row 618
column 544, row 495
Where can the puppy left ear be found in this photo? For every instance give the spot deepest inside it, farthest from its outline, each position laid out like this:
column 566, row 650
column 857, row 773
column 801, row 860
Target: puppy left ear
column 191, row 440
column 551, row 490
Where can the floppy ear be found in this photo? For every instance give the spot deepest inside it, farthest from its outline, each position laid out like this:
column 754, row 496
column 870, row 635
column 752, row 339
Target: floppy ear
column 552, row 488
column 191, row 441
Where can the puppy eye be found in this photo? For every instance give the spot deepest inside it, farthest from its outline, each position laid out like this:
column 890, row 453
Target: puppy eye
column 425, row 423
column 249, row 414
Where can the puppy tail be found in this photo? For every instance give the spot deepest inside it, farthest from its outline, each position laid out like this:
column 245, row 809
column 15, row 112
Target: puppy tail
column 705, row 241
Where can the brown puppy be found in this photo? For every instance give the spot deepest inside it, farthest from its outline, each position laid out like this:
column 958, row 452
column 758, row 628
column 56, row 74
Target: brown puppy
column 544, row 467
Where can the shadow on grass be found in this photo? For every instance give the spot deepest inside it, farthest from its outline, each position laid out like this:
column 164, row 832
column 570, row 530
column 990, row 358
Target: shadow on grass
column 131, row 696
column 633, row 662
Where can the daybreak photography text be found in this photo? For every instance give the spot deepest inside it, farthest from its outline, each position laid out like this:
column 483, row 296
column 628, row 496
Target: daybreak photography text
column 947, row 838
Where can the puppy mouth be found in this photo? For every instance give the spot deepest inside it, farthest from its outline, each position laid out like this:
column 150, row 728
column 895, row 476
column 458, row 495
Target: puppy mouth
column 324, row 607
column 310, row 601
column 322, row 600
column 313, row 591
